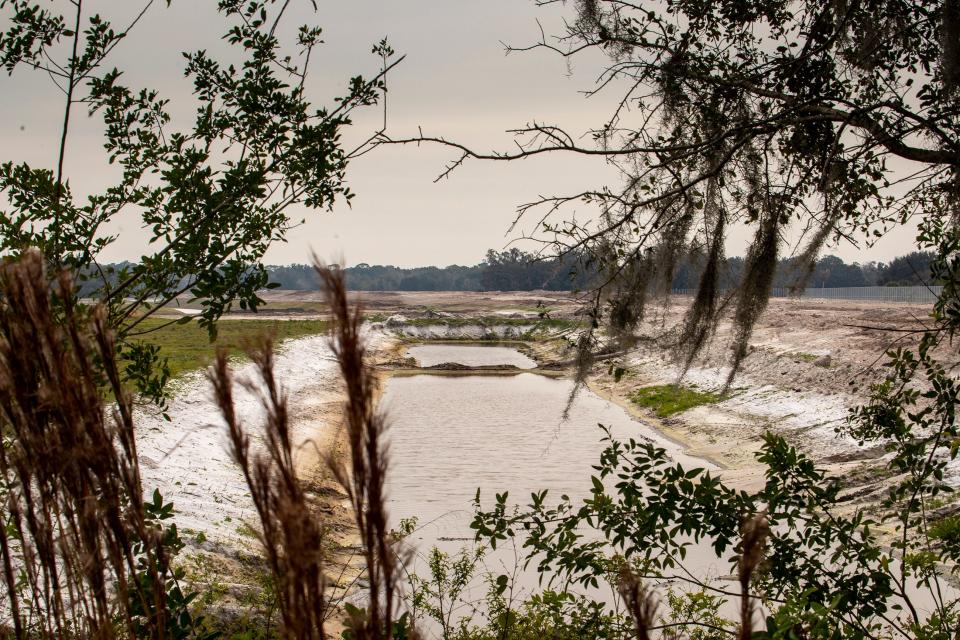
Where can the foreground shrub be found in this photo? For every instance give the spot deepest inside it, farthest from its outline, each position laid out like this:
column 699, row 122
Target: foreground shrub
column 83, row 554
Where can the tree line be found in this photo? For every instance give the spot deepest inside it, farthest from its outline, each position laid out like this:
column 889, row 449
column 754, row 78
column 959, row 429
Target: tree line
column 829, row 271
column 510, row 270
column 517, row 270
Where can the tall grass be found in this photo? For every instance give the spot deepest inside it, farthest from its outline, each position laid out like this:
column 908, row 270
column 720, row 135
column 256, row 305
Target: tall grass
column 292, row 540
column 81, row 556
column 365, row 479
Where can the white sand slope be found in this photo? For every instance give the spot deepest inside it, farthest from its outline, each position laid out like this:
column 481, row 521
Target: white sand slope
column 187, row 459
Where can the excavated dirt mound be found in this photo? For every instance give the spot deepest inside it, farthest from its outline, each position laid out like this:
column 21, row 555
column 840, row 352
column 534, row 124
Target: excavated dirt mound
column 456, row 366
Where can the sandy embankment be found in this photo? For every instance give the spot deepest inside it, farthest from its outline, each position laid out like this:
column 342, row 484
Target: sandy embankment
column 785, row 386
column 780, row 389
column 186, row 458
column 728, row 433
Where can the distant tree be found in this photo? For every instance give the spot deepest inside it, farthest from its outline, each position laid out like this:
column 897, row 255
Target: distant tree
column 517, row 270
column 509, row 270
column 911, row 269
column 687, row 274
column 831, row 271
column 871, row 272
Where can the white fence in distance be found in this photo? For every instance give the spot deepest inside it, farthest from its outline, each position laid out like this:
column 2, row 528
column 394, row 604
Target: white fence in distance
column 914, row 295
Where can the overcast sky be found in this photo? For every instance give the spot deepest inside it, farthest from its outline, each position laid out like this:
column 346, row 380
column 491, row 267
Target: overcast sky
column 456, row 82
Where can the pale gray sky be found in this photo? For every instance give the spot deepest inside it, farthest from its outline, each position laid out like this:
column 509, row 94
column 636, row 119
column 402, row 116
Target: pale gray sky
column 455, row 82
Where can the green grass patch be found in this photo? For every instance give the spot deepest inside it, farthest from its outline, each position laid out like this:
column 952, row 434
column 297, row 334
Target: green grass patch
column 560, row 324
column 188, row 347
column 803, row 355
column 669, row 399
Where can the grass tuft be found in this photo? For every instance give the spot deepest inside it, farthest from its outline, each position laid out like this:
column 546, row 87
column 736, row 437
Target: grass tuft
column 669, row 399
column 188, row 346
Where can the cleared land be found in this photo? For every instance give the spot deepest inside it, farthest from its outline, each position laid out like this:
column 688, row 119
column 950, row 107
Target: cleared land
column 790, row 337
column 810, row 361
column 505, row 303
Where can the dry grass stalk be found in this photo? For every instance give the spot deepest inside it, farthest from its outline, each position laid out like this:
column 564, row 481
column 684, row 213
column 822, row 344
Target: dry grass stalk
column 79, row 557
column 365, row 478
column 640, row 602
column 291, row 538
column 755, row 532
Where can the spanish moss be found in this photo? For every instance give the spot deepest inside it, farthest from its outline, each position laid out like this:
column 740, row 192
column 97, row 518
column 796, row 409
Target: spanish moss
column 700, row 322
column 755, row 286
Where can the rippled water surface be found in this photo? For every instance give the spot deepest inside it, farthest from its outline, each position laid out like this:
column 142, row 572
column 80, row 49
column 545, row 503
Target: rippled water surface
column 451, row 435
column 472, row 355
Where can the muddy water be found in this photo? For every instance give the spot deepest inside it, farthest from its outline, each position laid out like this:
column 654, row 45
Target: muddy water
column 473, row 355
column 450, row 436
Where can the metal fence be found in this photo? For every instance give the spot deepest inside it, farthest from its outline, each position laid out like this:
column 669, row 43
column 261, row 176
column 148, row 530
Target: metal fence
column 916, row 295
